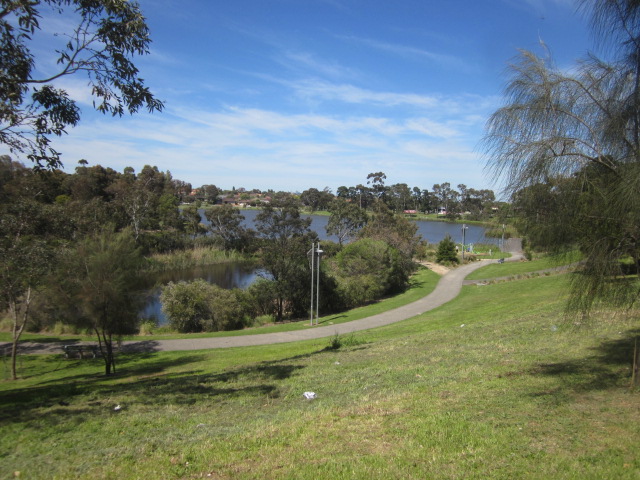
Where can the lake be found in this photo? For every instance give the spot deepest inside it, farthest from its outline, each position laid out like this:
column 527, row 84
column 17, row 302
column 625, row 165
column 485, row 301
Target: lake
column 431, row 231
column 242, row 274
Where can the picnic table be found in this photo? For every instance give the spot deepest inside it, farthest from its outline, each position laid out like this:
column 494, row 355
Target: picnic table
column 79, row 351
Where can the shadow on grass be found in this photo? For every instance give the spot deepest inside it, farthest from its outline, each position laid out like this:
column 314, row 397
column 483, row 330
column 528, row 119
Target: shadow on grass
column 608, row 367
column 142, row 379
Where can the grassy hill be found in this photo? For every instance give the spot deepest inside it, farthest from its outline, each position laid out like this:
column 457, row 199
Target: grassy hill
column 492, row 385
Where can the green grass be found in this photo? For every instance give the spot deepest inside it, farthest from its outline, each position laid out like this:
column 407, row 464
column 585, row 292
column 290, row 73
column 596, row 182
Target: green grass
column 521, row 268
column 421, row 284
column 492, row 385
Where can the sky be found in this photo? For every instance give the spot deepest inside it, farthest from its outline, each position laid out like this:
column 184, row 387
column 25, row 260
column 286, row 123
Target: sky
column 294, row 94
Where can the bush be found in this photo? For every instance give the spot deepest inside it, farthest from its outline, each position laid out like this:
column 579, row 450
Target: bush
column 446, row 253
column 200, row 306
column 368, row 269
column 147, row 327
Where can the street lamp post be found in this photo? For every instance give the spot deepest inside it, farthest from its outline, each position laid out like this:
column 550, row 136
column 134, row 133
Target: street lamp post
column 311, row 252
column 319, row 252
column 464, row 231
column 315, row 275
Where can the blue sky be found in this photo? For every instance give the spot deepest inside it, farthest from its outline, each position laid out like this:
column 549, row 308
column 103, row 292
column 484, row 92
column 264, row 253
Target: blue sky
column 293, row 94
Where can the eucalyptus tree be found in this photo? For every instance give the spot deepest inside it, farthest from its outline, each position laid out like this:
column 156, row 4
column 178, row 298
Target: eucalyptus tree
column 346, row 219
column 226, row 226
column 100, row 46
column 285, row 239
column 581, row 130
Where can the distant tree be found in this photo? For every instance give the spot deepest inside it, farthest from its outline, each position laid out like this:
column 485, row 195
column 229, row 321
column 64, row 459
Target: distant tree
column 398, row 197
column 108, row 34
column 376, row 180
column 226, row 226
column 446, row 252
column 211, row 193
column 346, row 219
column 192, row 221
column 316, row 199
column 393, row 229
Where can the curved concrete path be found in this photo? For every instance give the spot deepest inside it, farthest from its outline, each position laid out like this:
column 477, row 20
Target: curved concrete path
column 447, row 289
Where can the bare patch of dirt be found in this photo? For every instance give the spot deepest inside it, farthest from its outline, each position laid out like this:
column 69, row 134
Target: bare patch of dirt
column 439, row 269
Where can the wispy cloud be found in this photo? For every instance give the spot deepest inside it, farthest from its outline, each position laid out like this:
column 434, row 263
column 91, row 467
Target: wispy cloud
column 411, row 52
column 305, row 62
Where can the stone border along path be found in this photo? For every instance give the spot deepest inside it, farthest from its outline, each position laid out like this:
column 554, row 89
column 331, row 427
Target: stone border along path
column 447, row 289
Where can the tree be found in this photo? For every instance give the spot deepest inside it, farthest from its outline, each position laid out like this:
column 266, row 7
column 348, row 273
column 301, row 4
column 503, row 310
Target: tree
column 192, row 221
column 579, row 133
column 316, row 199
column 102, row 278
column 226, row 225
column 446, row 252
column 376, row 180
column 366, row 270
column 25, row 259
column 286, row 238
column 345, row 220
column 108, row 34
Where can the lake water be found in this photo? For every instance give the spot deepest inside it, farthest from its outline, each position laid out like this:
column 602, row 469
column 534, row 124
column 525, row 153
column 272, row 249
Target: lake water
column 433, row 232
column 241, row 275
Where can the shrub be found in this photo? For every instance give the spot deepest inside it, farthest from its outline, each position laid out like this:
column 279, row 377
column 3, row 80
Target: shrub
column 200, row 306
column 147, row 327
column 446, row 253
column 366, row 270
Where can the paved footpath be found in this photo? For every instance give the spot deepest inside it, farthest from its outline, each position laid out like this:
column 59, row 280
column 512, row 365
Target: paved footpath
column 447, row 289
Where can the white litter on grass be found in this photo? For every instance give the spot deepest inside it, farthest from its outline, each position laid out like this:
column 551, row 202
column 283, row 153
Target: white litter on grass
column 309, row 395
column 462, row 325
column 117, row 408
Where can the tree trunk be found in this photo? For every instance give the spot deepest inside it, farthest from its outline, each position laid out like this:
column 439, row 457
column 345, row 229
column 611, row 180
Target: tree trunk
column 18, row 328
column 106, row 350
column 635, row 365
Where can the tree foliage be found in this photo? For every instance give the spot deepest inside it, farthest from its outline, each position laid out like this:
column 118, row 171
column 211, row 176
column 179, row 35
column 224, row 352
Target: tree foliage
column 446, row 253
column 571, row 143
column 200, row 306
column 225, row 225
column 568, row 145
column 102, row 44
column 286, row 238
column 346, row 219
column 25, row 259
column 103, row 281
column 367, row 269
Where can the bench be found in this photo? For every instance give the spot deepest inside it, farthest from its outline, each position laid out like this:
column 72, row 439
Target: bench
column 72, row 351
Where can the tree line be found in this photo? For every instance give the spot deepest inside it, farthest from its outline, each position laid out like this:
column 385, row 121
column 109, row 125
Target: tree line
column 471, row 203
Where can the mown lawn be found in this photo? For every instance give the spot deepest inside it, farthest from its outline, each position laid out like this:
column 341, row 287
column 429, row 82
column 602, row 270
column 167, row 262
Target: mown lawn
column 492, row 385
column 514, row 268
